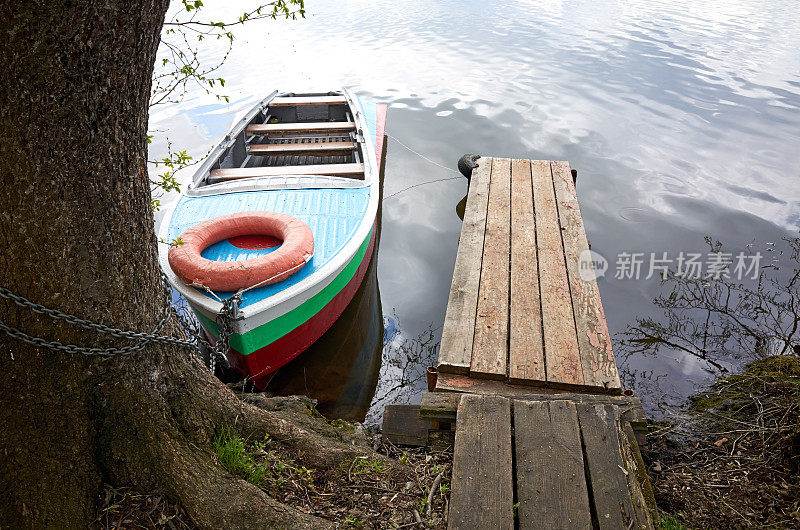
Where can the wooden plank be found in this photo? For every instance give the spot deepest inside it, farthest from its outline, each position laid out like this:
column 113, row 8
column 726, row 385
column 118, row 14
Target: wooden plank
column 638, row 482
column 274, row 171
column 551, row 485
column 606, row 474
column 317, row 149
column 288, row 129
column 402, row 425
column 490, row 348
column 438, row 406
column 482, row 493
column 562, row 356
column 442, row 405
column 526, row 350
column 293, row 101
column 594, row 340
column 455, row 350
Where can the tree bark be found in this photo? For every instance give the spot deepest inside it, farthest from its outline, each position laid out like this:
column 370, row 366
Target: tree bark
column 77, row 232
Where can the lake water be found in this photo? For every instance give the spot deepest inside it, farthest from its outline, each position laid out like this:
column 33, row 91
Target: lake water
column 682, row 118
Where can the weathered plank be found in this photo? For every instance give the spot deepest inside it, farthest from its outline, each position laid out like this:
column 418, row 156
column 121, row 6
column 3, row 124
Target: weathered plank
column 224, row 174
column 266, row 129
column 402, row 425
column 317, row 149
column 551, row 485
column 455, row 350
column 562, row 356
column 437, row 406
column 638, row 483
column 606, row 474
column 490, row 348
column 442, row 405
column 481, row 489
column 293, row 101
column 594, row 341
column 526, row 350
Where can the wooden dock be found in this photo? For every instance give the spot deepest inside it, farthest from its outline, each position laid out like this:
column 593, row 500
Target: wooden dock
column 545, row 437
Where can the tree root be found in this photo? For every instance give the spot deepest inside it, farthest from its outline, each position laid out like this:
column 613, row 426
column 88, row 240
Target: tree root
column 166, row 445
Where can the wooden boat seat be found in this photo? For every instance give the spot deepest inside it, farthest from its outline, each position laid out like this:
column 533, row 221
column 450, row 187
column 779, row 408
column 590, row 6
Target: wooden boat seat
column 316, row 149
column 301, row 129
column 307, row 100
column 337, row 170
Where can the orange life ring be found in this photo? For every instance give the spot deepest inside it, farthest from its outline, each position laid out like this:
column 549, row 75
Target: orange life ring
column 295, row 251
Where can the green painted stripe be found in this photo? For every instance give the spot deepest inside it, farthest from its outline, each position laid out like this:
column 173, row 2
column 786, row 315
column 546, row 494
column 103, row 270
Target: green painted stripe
column 278, row 327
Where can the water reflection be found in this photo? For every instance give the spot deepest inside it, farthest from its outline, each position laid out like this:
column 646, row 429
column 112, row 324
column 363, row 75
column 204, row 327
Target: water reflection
column 683, row 119
column 405, row 361
column 341, row 369
column 461, row 207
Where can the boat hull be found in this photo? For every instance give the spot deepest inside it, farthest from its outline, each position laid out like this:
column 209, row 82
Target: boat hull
column 261, row 364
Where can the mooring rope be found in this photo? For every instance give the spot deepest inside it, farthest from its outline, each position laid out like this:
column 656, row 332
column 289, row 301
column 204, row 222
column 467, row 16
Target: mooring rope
column 423, row 157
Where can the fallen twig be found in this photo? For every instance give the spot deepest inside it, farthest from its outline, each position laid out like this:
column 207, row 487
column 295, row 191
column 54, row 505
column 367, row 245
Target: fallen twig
column 434, row 486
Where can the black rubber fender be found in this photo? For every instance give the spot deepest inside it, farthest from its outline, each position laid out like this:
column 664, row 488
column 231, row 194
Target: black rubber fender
column 467, row 163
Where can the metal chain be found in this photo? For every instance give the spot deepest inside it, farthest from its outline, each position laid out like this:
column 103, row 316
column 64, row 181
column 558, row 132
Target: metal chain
column 224, row 319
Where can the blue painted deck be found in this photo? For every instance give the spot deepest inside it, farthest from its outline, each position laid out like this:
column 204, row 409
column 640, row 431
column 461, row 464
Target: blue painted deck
column 332, row 214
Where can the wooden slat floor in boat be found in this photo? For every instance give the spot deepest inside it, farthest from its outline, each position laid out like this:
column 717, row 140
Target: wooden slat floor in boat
column 519, row 310
column 292, row 101
column 301, row 159
column 224, row 174
column 267, row 129
column 317, row 148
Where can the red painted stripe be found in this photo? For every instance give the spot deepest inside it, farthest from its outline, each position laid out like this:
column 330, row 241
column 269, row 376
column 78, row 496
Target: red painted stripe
column 380, row 128
column 262, row 363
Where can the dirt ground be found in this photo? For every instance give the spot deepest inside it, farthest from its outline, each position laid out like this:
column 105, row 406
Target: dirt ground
column 732, row 460
column 361, row 493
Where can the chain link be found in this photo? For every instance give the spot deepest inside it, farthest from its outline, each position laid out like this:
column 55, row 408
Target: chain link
column 224, row 321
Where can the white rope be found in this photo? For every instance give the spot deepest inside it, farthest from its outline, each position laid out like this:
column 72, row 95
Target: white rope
column 263, row 282
column 426, row 159
column 421, row 155
column 255, row 286
column 420, row 184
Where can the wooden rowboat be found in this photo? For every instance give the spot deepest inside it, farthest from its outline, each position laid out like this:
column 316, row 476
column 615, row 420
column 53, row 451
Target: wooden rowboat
column 315, row 157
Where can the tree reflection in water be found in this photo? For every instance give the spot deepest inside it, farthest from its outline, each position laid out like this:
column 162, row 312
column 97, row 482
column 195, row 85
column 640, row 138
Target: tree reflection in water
column 404, row 366
column 720, row 321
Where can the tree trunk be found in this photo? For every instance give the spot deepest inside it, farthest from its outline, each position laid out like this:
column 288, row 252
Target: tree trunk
column 77, row 232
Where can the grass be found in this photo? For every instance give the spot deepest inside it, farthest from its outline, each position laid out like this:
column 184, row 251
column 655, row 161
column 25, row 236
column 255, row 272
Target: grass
column 363, row 466
column 665, row 521
column 237, row 458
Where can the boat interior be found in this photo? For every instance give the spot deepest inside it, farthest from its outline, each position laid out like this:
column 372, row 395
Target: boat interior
column 296, row 134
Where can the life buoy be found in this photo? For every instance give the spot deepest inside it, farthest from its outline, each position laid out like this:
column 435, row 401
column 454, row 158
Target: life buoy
column 295, row 251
